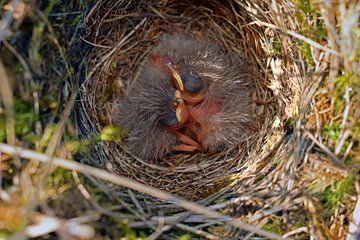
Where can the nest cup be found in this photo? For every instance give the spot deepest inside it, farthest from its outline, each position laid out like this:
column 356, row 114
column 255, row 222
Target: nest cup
column 122, row 33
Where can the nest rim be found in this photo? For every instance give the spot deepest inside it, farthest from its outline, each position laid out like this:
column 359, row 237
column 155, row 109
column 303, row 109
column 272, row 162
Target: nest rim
column 241, row 165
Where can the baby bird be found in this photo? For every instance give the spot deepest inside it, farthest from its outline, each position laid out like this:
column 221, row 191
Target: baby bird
column 190, row 96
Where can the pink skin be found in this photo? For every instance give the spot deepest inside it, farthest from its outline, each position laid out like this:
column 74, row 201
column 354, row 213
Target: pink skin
column 194, row 116
column 199, row 122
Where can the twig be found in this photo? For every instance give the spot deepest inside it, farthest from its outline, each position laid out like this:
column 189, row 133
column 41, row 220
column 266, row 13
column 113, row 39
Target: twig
column 7, row 19
column 7, row 97
column 60, row 14
column 53, row 144
column 296, row 231
column 94, row 44
column 199, row 232
column 53, row 38
column 347, row 107
column 159, row 230
column 355, row 223
column 333, row 38
column 347, row 151
column 300, row 37
column 24, row 64
column 136, row 186
column 312, row 88
column 344, row 134
column 331, row 155
column 27, row 75
column 173, row 220
column 61, row 124
column 85, row 193
column 341, row 141
column 136, row 202
column 55, row 139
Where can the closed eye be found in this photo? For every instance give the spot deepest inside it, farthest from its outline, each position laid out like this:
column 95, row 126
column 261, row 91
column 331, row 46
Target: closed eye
column 168, row 118
column 192, row 82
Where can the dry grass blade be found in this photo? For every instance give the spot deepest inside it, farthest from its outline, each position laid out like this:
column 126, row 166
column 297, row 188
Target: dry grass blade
column 331, row 155
column 198, row 232
column 61, row 124
column 7, row 19
column 300, row 37
column 6, row 94
column 131, row 184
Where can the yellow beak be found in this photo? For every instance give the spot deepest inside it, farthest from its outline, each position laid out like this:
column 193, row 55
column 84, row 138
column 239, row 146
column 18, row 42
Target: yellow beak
column 182, row 114
column 176, row 76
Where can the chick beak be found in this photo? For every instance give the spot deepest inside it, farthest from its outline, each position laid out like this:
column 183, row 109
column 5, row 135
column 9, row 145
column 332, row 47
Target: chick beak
column 179, row 112
column 176, row 77
column 182, row 113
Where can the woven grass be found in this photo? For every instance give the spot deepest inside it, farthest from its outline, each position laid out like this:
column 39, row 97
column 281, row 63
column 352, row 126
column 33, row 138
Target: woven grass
column 273, row 176
column 132, row 30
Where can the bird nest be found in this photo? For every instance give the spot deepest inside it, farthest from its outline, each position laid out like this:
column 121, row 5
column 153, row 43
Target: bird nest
column 123, row 33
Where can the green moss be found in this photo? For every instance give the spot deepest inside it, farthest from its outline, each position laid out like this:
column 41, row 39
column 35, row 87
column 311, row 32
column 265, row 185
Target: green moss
column 320, row 32
column 36, row 86
column 345, row 80
column 335, row 193
column 3, row 235
column 299, row 225
column 59, row 177
column 72, row 146
column 291, row 122
column 356, row 131
column 17, row 68
column 2, row 129
column 76, row 20
column 24, row 117
column 356, row 34
column 276, row 160
column 82, row 3
column 130, row 234
column 305, row 9
column 111, row 133
column 47, row 135
column 186, row 236
column 114, row 64
column 305, row 50
column 69, row 71
column 331, row 131
column 316, row 31
column 75, row 145
column 340, row 84
column 24, row 120
column 277, row 47
column 274, row 225
column 110, row 88
column 305, row 6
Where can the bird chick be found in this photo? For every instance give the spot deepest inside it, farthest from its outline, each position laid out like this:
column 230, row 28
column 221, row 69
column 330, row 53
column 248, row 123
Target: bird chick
column 190, row 95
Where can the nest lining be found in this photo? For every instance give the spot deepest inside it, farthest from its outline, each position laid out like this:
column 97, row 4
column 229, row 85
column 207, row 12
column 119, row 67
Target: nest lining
column 122, row 35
